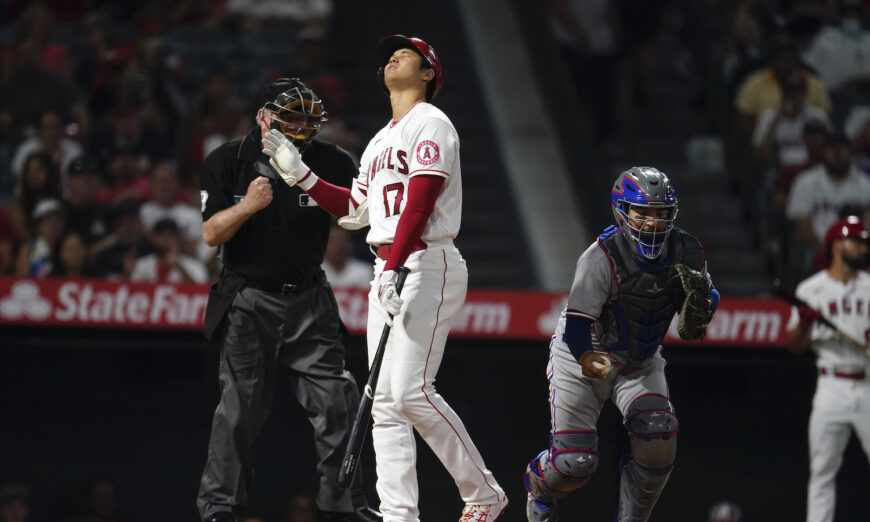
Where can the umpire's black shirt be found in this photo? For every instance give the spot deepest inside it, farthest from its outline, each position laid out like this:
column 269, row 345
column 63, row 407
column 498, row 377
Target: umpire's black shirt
column 284, row 242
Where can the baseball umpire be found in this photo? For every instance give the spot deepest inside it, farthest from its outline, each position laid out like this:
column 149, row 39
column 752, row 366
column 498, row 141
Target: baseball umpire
column 627, row 287
column 273, row 308
column 842, row 399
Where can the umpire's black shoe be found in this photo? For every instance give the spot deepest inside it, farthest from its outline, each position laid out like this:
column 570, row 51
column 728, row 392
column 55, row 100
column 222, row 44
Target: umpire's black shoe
column 222, row 516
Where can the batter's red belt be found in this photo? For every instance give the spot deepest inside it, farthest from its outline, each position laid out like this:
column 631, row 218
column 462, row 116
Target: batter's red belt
column 855, row 376
column 383, row 251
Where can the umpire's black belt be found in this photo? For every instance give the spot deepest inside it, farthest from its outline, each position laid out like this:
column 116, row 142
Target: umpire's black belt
column 280, row 288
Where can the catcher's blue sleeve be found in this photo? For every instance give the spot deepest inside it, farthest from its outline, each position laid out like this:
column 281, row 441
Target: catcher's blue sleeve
column 578, row 335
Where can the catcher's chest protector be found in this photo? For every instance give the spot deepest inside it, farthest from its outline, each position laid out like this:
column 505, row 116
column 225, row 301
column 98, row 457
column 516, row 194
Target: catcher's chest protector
column 639, row 319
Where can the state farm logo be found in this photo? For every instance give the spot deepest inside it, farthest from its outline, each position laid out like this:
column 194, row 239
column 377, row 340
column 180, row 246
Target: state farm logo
column 483, row 318
column 103, row 302
column 24, row 302
column 743, row 326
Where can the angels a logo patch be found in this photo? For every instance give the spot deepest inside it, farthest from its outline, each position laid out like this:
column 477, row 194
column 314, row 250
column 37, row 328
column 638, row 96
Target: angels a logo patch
column 427, row 152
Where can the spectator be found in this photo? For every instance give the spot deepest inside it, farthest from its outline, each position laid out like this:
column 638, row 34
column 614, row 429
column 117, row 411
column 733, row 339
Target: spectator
column 100, row 65
column 126, row 177
column 31, row 90
column 168, row 264
column 340, row 268
column 72, row 256
column 841, row 53
column 815, row 133
column 50, row 140
column 763, row 89
column 38, row 181
column 14, row 503
column 84, row 214
column 779, row 132
column 36, row 256
column 100, row 502
column 36, row 27
column 114, row 255
column 821, row 194
column 169, row 202
column 213, row 117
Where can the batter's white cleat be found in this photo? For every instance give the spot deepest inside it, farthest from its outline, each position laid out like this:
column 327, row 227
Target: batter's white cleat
column 483, row 512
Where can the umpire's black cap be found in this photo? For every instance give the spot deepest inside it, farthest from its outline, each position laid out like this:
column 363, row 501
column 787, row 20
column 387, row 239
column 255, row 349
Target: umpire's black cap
column 276, row 88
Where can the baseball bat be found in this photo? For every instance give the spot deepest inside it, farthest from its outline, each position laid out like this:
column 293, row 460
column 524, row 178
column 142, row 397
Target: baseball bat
column 797, row 301
column 364, row 411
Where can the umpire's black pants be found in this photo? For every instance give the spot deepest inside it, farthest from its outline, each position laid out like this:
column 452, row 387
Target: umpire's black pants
column 262, row 332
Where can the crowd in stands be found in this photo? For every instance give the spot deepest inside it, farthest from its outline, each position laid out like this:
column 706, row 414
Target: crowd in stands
column 107, row 112
column 799, row 133
column 784, row 85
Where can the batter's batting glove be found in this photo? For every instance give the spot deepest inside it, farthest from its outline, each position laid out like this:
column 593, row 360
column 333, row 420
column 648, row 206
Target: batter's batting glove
column 808, row 315
column 284, row 157
column 388, row 303
column 356, row 218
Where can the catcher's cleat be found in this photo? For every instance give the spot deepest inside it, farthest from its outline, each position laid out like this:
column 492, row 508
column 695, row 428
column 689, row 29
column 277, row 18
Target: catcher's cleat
column 483, row 512
column 539, row 511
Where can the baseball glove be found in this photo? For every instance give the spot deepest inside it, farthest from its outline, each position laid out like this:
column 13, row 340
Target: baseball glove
column 695, row 308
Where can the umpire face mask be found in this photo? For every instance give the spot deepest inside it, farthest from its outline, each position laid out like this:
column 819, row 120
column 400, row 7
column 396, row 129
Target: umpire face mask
column 299, row 119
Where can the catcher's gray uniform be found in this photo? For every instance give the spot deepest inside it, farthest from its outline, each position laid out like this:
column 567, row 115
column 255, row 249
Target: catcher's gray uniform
column 628, row 307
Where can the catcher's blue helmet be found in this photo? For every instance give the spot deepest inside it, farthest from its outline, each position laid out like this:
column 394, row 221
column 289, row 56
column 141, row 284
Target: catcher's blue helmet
column 644, row 187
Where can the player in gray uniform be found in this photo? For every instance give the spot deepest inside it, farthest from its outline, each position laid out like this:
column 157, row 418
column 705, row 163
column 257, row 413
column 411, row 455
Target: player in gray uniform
column 607, row 346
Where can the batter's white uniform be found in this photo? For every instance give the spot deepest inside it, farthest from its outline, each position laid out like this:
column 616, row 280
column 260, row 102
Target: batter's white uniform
column 423, row 142
column 842, row 399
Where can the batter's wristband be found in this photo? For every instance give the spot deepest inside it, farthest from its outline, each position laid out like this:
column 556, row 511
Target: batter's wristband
column 308, row 180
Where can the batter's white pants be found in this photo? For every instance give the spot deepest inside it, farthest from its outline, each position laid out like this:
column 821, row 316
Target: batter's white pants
column 839, row 406
column 405, row 397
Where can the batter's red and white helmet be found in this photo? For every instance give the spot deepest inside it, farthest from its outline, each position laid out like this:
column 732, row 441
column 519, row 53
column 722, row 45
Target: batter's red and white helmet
column 850, row 226
column 388, row 46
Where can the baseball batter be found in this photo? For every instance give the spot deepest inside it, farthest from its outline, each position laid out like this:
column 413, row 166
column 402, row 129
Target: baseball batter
column 842, row 399
column 627, row 287
column 409, row 192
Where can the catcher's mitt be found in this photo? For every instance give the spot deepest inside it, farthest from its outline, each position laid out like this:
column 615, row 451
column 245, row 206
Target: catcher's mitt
column 695, row 308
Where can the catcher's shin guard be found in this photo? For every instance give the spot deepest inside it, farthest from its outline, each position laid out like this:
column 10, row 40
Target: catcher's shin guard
column 566, row 466
column 653, row 427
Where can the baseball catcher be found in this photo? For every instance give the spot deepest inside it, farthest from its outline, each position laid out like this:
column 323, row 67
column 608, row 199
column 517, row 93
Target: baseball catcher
column 627, row 287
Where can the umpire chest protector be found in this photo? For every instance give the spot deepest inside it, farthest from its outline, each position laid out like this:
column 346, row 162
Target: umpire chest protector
column 637, row 321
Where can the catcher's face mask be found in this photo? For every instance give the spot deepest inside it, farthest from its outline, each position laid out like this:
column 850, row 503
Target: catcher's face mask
column 648, row 227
